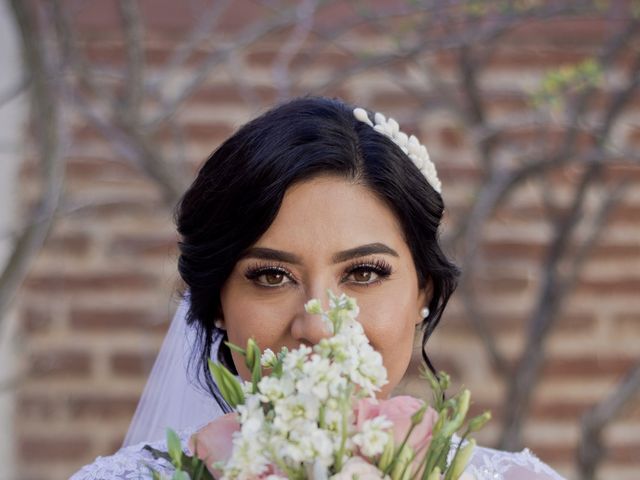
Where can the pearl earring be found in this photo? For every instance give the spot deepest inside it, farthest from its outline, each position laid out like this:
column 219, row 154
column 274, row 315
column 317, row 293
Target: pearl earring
column 219, row 324
column 424, row 313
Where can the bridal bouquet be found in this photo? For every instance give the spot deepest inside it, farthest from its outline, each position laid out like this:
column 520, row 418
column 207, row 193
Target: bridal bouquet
column 315, row 416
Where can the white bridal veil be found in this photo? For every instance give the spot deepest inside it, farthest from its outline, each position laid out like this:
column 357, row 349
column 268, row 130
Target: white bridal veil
column 170, row 398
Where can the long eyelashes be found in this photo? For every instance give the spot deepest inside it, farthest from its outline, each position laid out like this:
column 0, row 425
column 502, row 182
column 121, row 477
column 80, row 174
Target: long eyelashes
column 379, row 267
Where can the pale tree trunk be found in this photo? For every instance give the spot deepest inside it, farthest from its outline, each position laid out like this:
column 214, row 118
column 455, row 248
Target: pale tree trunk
column 12, row 117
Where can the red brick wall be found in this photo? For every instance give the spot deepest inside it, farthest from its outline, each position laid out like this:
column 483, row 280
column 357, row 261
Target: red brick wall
column 99, row 297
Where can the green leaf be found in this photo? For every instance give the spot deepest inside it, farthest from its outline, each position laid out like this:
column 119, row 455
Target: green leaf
column 180, row 475
column 235, row 348
column 227, row 383
column 175, row 449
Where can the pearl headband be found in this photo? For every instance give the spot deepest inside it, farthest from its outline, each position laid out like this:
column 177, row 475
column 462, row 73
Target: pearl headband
column 409, row 144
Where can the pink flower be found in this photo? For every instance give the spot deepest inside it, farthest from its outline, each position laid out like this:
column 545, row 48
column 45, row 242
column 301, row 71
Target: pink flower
column 399, row 411
column 358, row 467
column 213, row 442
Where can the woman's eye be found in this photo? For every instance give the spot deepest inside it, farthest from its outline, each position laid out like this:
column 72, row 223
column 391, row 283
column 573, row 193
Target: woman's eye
column 272, row 278
column 364, row 275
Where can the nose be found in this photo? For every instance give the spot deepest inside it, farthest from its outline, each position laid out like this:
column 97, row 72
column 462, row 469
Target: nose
column 310, row 328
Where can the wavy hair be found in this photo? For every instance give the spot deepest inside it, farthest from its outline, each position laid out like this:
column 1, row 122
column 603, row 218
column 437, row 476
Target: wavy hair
column 239, row 189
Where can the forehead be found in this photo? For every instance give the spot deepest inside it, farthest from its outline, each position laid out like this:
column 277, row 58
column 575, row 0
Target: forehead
column 331, row 213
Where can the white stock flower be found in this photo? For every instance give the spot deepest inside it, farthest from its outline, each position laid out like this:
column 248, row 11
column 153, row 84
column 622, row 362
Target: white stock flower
column 272, row 388
column 373, row 436
column 268, row 358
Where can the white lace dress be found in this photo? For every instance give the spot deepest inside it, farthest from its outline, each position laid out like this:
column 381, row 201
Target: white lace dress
column 134, row 462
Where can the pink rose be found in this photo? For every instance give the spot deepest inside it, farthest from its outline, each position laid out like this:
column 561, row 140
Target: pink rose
column 399, row 411
column 358, row 467
column 213, row 442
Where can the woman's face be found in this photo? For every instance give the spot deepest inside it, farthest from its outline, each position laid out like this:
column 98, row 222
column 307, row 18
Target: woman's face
column 328, row 234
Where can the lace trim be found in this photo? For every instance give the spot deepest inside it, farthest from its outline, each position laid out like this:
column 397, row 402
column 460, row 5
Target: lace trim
column 489, row 464
column 133, row 463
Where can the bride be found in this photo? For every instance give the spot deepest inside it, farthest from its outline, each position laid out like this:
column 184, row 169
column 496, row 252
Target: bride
column 310, row 196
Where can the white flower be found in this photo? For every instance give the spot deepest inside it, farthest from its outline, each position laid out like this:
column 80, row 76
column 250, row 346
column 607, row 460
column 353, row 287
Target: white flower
column 272, row 388
column 373, row 436
column 357, row 467
column 268, row 358
column 313, row 306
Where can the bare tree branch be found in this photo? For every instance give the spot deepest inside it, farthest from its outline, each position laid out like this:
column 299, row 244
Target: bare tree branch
column 46, row 117
column 207, row 21
column 590, row 449
column 304, row 24
column 252, row 34
column 553, row 290
column 134, row 92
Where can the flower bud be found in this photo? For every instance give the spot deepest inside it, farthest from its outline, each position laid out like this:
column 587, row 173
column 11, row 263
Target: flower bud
column 402, row 467
column 313, row 306
column 387, row 455
column 478, row 422
column 460, row 460
column 435, row 474
column 417, row 417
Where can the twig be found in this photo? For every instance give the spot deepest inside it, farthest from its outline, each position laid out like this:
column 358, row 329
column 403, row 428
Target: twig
column 207, row 21
column 590, row 449
column 134, row 93
column 250, row 36
column 46, row 117
column 304, row 24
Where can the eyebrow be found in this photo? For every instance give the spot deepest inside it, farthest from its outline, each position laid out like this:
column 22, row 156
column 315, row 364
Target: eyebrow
column 264, row 253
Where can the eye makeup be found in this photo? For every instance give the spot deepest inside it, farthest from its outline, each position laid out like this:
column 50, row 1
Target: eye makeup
column 381, row 268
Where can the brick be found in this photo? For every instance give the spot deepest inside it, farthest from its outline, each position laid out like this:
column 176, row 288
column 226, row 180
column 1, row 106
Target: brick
column 616, row 173
column 102, row 406
column 585, row 31
column 69, row 243
column 560, row 410
column 146, row 245
column 126, row 207
column 392, row 100
column 624, row 214
column 586, row 366
column 501, row 249
column 549, row 58
column 517, row 323
column 134, row 364
column 89, row 168
column 35, row 320
column 504, row 284
column 59, row 448
column 38, row 407
column 117, row 319
column 229, row 95
column 58, row 283
column 60, row 363
column 619, row 286
column 628, row 322
column 452, row 137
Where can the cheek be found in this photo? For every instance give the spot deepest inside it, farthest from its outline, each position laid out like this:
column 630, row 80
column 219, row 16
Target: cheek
column 391, row 331
column 248, row 315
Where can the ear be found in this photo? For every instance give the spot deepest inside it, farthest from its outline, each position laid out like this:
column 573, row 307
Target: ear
column 424, row 298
